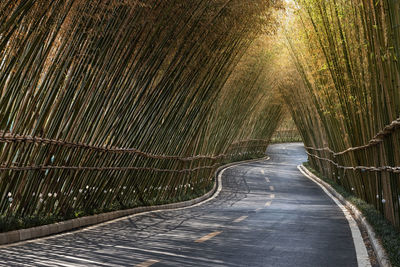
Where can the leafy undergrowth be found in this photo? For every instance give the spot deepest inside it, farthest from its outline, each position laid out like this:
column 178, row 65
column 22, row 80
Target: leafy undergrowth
column 10, row 223
column 385, row 231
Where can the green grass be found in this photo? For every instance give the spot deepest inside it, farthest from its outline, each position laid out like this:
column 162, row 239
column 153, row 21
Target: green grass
column 386, row 232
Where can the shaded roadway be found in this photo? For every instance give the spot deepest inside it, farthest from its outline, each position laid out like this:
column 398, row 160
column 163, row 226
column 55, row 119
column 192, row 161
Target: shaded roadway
column 267, row 214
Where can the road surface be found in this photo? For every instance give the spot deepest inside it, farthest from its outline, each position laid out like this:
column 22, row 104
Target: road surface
column 267, row 214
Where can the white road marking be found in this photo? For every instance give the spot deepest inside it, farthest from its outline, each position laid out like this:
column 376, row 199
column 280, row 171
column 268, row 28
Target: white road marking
column 216, row 193
column 361, row 250
column 41, row 239
column 81, row 259
column 165, row 253
column 240, row 219
column 54, row 262
column 147, row 263
column 207, row 237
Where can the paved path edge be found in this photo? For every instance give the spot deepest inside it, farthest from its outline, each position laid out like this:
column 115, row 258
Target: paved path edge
column 11, row 237
column 380, row 252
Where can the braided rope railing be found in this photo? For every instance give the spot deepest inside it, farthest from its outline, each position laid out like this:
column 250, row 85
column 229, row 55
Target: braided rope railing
column 6, row 137
column 378, row 138
column 16, row 138
column 361, row 168
column 87, row 168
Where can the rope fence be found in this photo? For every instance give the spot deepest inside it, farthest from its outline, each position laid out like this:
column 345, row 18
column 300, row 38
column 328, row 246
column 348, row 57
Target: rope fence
column 367, row 182
column 377, row 139
column 32, row 188
column 362, row 168
column 6, row 137
column 16, row 138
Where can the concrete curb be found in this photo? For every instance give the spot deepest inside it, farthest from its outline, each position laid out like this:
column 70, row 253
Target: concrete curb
column 7, row 238
column 380, row 252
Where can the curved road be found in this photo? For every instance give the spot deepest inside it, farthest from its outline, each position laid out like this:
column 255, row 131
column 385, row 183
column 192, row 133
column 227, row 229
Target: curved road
column 267, row 214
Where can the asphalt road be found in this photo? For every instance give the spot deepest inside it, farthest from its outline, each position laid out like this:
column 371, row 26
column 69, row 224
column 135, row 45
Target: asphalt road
column 267, row 214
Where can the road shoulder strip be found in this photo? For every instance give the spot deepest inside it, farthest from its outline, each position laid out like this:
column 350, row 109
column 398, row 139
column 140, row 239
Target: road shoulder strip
column 381, row 255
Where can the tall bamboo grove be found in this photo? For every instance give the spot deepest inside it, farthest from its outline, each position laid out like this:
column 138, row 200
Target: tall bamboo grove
column 347, row 58
column 107, row 102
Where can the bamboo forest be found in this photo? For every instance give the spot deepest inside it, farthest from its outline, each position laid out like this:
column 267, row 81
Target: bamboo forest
column 108, row 106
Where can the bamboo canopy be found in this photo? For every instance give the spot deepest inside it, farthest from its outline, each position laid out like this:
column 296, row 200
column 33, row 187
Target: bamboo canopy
column 111, row 104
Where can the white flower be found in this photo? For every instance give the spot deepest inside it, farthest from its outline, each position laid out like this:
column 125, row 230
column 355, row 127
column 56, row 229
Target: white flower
column 377, row 196
column 49, row 194
column 383, row 201
column 55, row 195
column 40, row 195
column 10, row 199
column 352, row 189
column 9, row 194
column 74, row 198
column 80, row 190
column 41, row 200
column 33, row 194
column 105, row 191
column 124, row 187
column 87, row 187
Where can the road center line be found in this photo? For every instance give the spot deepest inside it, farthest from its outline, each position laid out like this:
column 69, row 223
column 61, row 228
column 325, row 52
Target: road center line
column 268, row 203
column 271, row 187
column 166, row 253
column 82, row 259
column 147, row 263
column 240, row 219
column 207, row 237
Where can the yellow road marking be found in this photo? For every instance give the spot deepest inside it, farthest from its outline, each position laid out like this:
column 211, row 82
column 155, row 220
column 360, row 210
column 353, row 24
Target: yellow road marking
column 267, row 179
column 207, row 237
column 268, row 203
column 240, row 219
column 147, row 263
column 272, row 196
column 271, row 187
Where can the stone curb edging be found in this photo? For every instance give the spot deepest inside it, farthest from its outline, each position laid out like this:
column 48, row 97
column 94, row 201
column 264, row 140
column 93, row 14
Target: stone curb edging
column 73, row 224
column 380, row 252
